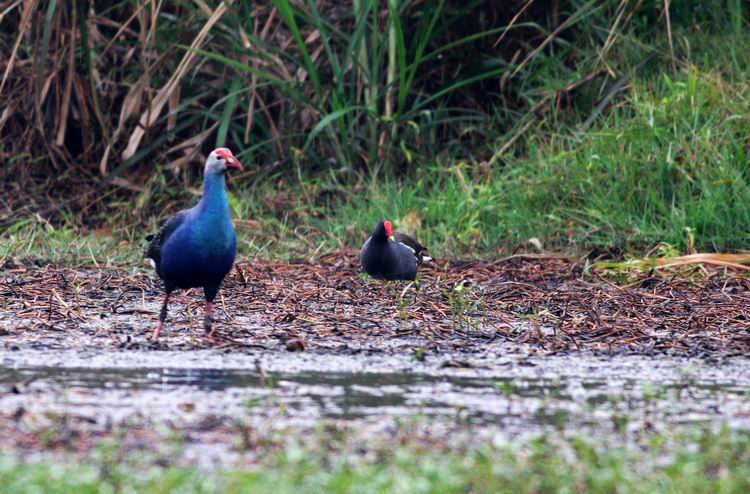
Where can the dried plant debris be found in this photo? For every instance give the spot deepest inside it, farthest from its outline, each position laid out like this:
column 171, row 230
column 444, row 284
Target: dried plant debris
column 543, row 305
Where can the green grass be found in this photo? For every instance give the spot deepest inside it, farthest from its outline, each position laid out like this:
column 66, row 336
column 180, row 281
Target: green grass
column 38, row 240
column 667, row 162
column 688, row 463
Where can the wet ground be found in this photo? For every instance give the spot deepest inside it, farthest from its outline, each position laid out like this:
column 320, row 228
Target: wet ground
column 481, row 352
column 212, row 408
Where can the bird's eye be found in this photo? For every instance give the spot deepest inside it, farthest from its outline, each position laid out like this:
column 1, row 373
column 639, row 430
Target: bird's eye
column 221, row 158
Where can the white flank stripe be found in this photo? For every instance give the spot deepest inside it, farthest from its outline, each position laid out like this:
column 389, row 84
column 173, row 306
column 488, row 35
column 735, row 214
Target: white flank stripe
column 415, row 252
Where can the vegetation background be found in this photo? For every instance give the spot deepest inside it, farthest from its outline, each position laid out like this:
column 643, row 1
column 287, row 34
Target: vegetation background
column 609, row 128
column 615, row 126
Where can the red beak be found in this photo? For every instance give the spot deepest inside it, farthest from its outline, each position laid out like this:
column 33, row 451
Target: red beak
column 232, row 162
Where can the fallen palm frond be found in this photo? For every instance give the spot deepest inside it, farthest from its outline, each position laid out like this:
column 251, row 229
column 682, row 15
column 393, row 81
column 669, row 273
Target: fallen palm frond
column 739, row 262
column 683, row 265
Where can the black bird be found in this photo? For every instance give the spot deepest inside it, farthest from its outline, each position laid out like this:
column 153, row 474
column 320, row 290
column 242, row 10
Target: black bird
column 389, row 255
column 196, row 247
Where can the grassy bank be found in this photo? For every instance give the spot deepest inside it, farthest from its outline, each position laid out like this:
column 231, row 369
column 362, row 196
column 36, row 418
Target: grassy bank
column 668, row 163
column 692, row 463
column 664, row 158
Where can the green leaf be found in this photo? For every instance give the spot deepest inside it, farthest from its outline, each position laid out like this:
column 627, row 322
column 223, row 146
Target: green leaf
column 326, row 121
column 226, row 117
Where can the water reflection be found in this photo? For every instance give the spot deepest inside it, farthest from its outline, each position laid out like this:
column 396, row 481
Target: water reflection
column 550, row 401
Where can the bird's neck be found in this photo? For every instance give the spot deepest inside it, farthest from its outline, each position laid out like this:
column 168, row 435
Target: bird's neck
column 214, row 200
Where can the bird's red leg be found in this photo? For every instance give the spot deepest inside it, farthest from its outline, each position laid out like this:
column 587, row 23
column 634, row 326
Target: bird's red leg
column 207, row 323
column 162, row 318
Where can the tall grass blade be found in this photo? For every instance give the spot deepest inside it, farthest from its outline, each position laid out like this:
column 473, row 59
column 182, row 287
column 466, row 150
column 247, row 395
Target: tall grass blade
column 44, row 51
column 226, row 117
column 83, row 27
column 326, row 122
column 287, row 14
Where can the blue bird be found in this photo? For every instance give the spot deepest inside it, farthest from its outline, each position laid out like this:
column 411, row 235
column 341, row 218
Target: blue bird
column 196, row 247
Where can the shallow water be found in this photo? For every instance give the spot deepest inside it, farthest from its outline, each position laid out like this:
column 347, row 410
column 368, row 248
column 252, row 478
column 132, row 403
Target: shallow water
column 208, row 397
column 511, row 396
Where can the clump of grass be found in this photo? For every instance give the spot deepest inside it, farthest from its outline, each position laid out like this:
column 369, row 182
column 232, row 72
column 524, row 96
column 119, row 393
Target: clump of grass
column 667, row 161
column 338, row 92
column 332, row 88
column 667, row 164
column 463, row 304
column 41, row 241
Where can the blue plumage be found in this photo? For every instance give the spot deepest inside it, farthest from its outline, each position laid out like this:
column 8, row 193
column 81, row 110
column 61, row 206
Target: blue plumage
column 196, row 248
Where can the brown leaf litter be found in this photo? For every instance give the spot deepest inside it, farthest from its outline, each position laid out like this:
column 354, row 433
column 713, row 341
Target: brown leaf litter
column 546, row 305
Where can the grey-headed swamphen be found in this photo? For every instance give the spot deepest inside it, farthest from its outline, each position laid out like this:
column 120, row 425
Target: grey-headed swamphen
column 196, row 247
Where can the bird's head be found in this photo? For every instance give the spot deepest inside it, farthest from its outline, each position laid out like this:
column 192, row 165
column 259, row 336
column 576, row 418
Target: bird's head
column 220, row 160
column 383, row 230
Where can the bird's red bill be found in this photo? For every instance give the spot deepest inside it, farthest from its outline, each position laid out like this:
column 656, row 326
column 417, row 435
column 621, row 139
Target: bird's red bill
column 232, row 162
column 388, row 228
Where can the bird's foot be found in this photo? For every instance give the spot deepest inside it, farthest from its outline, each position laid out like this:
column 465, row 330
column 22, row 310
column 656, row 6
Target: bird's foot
column 157, row 331
column 162, row 317
column 207, row 322
column 208, row 327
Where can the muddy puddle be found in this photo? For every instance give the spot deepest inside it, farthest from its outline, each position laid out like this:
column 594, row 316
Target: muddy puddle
column 211, row 397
